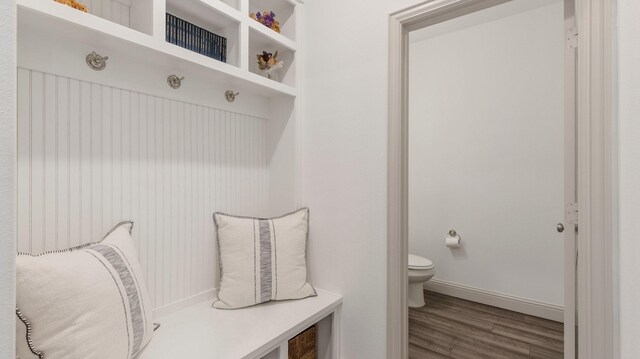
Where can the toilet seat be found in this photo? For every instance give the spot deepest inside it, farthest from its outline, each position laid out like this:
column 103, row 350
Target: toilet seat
column 420, row 271
column 419, row 263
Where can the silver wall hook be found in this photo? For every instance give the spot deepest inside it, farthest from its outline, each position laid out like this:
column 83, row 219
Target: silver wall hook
column 174, row 81
column 97, row 62
column 230, row 95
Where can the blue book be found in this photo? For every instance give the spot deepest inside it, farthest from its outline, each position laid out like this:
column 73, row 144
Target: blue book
column 178, row 32
column 187, row 39
column 205, row 43
column 192, row 37
column 199, row 48
column 174, row 30
column 183, row 34
column 223, row 50
column 199, row 40
column 203, row 40
column 210, row 45
column 167, row 28
column 216, row 53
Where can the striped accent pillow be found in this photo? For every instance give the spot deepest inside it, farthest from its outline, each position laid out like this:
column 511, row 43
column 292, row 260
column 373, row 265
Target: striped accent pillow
column 262, row 259
column 89, row 301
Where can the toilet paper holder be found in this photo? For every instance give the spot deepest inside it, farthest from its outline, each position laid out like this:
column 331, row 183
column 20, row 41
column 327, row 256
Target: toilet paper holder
column 453, row 239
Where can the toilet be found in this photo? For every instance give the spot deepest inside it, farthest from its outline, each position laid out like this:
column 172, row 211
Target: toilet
column 420, row 270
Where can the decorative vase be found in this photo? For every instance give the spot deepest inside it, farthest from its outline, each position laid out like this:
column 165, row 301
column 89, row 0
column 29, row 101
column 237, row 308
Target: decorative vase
column 271, row 74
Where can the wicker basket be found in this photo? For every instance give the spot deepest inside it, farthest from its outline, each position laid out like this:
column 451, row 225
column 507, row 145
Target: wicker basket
column 304, row 345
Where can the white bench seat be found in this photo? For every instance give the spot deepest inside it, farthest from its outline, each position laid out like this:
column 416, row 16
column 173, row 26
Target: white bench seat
column 200, row 331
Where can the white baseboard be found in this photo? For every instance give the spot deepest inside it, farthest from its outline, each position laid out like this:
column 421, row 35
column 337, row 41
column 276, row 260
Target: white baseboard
column 176, row 306
column 504, row 301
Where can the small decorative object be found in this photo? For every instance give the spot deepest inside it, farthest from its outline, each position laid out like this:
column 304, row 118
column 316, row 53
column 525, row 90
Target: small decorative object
column 97, row 62
column 269, row 64
column 230, row 95
column 74, row 4
column 268, row 19
column 174, row 81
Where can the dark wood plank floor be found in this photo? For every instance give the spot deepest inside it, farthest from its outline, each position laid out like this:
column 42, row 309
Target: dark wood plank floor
column 449, row 327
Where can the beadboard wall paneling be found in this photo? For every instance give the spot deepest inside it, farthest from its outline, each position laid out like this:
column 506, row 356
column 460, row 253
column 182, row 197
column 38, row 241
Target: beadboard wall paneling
column 91, row 155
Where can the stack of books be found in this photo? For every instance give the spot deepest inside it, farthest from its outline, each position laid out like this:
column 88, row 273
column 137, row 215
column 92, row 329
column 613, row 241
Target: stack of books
column 195, row 38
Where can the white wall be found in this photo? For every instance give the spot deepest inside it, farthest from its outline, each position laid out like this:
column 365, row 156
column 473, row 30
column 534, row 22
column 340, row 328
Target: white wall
column 629, row 180
column 486, row 150
column 344, row 153
column 7, row 177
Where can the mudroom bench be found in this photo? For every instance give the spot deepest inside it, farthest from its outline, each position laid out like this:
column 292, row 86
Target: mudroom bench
column 258, row 332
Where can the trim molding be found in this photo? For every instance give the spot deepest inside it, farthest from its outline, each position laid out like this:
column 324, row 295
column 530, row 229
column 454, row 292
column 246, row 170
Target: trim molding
column 397, row 239
column 8, row 177
column 495, row 299
column 597, row 197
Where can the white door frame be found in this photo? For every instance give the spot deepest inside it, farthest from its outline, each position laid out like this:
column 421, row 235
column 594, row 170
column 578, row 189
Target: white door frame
column 597, row 273
column 8, row 160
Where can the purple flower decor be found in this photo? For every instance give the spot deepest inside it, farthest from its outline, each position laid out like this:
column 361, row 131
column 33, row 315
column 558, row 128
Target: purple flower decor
column 268, row 19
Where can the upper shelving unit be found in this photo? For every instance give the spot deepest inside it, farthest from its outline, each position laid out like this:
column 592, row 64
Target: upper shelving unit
column 138, row 26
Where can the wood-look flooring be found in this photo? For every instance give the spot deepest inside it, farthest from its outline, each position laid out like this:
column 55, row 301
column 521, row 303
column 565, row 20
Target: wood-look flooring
column 449, row 327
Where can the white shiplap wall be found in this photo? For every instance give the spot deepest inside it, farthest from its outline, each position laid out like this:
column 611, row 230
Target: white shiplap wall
column 91, row 155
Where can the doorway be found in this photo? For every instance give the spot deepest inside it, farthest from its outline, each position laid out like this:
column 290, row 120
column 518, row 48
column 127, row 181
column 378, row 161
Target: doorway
column 593, row 208
column 486, row 163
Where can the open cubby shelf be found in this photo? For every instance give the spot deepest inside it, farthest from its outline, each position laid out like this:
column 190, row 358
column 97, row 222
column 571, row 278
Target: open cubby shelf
column 203, row 15
column 259, row 42
column 285, row 14
column 132, row 14
column 139, row 26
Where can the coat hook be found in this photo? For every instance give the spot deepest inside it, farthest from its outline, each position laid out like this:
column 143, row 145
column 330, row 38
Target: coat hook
column 174, row 81
column 97, row 62
column 230, row 95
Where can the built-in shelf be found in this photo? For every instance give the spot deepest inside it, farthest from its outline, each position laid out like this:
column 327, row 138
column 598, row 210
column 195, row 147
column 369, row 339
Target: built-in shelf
column 260, row 41
column 285, row 14
column 49, row 18
column 129, row 13
column 214, row 16
column 233, row 4
column 271, row 36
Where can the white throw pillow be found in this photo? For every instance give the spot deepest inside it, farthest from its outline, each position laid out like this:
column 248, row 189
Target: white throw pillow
column 85, row 302
column 262, row 259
